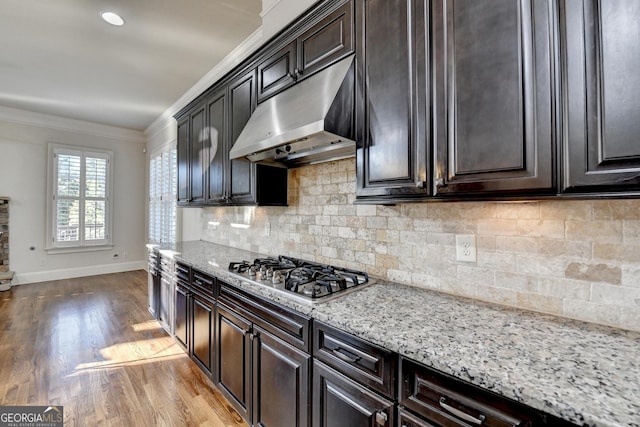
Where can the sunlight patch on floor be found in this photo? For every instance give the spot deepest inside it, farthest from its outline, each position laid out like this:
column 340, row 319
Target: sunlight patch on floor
column 132, row 353
column 146, row 326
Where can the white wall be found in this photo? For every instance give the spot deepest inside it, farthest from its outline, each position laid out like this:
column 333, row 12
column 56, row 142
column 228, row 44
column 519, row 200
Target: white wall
column 23, row 175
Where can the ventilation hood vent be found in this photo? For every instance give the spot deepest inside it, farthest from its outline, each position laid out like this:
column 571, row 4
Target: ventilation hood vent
column 311, row 122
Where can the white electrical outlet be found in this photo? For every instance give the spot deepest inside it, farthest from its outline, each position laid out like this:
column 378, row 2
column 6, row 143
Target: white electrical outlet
column 466, row 247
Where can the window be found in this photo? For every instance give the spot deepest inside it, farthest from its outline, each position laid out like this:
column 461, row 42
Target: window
column 163, row 182
column 79, row 202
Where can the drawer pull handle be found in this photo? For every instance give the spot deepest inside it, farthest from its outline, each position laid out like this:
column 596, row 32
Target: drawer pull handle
column 344, row 357
column 462, row 415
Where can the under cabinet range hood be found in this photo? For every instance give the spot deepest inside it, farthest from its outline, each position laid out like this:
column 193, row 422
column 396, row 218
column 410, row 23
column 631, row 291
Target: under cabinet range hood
column 311, row 122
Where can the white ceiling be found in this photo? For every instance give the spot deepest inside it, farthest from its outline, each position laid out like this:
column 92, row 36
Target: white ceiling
column 58, row 56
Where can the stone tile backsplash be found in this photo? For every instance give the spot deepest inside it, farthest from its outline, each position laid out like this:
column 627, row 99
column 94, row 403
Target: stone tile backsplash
column 578, row 259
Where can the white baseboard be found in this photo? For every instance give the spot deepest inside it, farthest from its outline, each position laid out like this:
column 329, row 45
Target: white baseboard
column 70, row 273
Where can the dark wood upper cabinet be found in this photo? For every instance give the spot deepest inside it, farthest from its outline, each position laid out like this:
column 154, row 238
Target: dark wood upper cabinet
column 601, row 79
column 199, row 153
column 493, row 104
column 242, row 103
column 217, row 111
column 206, row 134
column 192, row 157
column 277, row 72
column 392, row 159
column 329, row 39
column 183, row 161
column 326, row 42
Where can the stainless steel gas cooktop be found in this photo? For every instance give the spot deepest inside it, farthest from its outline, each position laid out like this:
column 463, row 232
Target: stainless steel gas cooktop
column 302, row 280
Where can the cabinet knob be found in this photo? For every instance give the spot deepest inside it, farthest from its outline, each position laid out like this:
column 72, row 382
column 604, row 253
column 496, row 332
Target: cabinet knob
column 381, row 418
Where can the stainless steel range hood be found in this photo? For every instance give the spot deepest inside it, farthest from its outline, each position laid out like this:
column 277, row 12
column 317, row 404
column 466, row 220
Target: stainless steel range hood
column 311, row 122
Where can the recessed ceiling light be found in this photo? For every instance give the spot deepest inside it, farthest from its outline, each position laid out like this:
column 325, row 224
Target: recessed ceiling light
column 112, row 18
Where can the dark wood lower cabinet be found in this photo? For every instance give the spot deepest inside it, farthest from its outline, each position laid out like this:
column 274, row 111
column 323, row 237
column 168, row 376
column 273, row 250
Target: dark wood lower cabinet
column 181, row 316
column 153, row 292
column 339, row 402
column 437, row 399
column 264, row 378
column 280, row 383
column 202, row 330
column 233, row 356
column 406, row 419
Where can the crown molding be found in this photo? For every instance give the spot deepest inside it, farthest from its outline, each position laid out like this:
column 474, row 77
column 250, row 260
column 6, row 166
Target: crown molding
column 267, row 6
column 237, row 55
column 31, row 118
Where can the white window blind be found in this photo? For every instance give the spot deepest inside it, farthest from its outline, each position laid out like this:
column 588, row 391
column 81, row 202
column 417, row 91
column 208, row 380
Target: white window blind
column 163, row 182
column 79, row 200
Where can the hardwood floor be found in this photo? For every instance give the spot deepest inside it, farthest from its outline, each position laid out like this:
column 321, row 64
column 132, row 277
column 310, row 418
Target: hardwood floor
column 89, row 345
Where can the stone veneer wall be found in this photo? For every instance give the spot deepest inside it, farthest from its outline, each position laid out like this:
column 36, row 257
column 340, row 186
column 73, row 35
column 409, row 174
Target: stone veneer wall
column 578, row 259
column 4, row 237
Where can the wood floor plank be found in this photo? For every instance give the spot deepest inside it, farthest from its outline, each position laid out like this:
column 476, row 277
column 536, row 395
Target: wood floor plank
column 90, row 345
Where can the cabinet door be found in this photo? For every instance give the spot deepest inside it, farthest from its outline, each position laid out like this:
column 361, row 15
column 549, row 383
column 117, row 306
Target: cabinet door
column 165, row 303
column 198, row 155
column 217, row 111
column 242, row 95
column 233, row 359
column 183, row 161
column 339, row 401
column 602, row 107
column 277, row 72
column 392, row 162
column 153, row 292
column 328, row 41
column 202, row 321
column 280, row 383
column 493, row 105
column 182, row 313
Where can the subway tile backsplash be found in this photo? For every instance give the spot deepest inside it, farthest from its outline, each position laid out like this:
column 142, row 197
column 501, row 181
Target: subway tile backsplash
column 578, row 259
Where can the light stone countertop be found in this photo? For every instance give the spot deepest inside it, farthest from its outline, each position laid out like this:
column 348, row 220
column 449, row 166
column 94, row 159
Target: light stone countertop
column 581, row 372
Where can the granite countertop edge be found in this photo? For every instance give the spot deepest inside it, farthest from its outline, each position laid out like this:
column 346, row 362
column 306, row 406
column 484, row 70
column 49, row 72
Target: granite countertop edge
column 581, row 372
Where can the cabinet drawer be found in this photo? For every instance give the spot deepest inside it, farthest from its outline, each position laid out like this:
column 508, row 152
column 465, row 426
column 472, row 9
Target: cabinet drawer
column 183, row 274
column 165, row 265
column 203, row 283
column 409, row 420
column 444, row 400
column 366, row 363
column 287, row 324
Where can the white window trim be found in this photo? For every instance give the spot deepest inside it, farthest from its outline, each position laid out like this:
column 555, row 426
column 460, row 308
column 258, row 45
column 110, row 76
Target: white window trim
column 53, row 246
